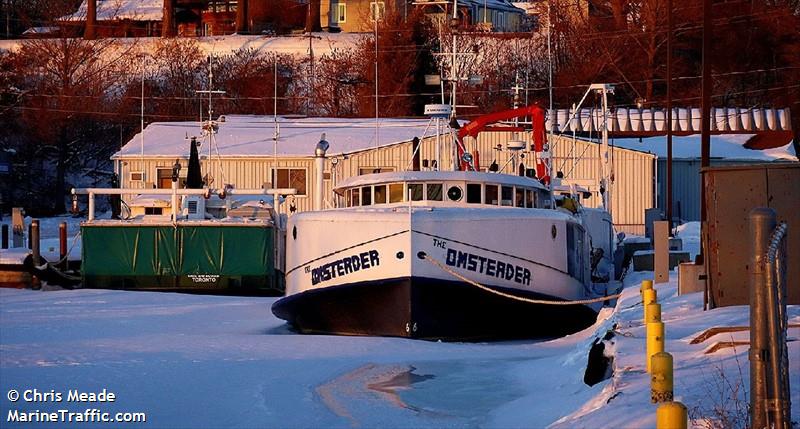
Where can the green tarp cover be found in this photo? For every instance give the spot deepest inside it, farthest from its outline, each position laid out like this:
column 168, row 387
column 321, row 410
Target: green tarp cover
column 153, row 251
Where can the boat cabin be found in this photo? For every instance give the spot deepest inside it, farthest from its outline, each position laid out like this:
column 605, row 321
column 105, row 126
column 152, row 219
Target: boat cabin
column 446, row 188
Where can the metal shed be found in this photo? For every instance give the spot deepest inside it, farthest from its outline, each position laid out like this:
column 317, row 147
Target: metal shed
column 731, row 192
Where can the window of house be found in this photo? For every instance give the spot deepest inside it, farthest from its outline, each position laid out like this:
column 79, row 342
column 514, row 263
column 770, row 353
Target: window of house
column 473, row 193
column 373, row 170
column 492, row 195
column 290, row 178
column 137, row 176
column 396, row 194
column 164, row 180
column 380, row 194
column 377, row 10
column 340, row 12
column 434, row 192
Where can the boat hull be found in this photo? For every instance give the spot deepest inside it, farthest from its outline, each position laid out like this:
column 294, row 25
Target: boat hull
column 429, row 308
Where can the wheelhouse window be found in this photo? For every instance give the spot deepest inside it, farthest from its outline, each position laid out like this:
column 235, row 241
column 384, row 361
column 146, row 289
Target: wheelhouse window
column 415, row 189
column 507, row 196
column 492, row 195
column 396, row 194
column 355, row 197
column 366, row 195
column 473, row 193
column 529, row 199
column 433, row 192
column 519, row 197
column 380, row 194
column 290, row 178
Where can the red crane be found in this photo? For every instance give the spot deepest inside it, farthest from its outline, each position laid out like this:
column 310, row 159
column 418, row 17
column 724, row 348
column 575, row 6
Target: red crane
column 539, row 135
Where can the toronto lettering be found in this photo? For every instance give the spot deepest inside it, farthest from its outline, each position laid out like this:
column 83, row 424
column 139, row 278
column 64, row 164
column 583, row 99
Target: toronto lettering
column 345, row 266
column 488, row 266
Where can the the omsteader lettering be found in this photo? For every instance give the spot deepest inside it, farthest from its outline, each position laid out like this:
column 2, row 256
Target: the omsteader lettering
column 488, row 266
column 345, row 266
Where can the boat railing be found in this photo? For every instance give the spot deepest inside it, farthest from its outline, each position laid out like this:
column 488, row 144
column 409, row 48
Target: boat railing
column 175, row 192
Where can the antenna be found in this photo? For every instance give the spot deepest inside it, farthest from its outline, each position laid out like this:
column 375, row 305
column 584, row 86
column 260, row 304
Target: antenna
column 276, row 131
column 210, row 126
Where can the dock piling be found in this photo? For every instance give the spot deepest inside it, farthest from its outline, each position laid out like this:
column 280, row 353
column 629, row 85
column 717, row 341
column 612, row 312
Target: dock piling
column 33, row 242
column 671, row 415
column 62, row 242
column 661, row 378
column 655, row 341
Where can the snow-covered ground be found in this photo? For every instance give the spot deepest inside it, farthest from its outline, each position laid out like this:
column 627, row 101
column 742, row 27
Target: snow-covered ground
column 210, row 361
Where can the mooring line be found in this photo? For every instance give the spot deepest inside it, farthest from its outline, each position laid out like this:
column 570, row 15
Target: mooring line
column 518, row 298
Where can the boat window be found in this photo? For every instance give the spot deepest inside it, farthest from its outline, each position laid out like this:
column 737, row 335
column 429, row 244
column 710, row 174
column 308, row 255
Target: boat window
column 575, row 251
column 415, row 189
column 354, row 198
column 473, row 193
column 433, row 191
column 380, row 194
column 454, row 193
column 519, row 197
column 347, row 198
column 529, row 201
column 366, row 195
column 491, row 195
column 507, row 194
column 396, row 193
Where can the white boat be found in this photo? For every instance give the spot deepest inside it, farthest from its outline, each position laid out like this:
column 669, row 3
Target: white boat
column 457, row 255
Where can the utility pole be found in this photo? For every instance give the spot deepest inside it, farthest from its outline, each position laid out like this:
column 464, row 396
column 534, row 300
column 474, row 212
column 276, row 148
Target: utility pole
column 705, row 140
column 669, row 115
column 377, row 120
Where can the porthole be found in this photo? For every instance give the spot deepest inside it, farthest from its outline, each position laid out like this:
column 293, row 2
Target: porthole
column 294, row 232
column 554, row 232
column 400, row 255
column 454, row 193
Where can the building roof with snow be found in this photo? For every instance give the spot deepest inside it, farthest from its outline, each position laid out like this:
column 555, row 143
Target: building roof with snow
column 723, row 146
column 252, row 136
column 135, row 10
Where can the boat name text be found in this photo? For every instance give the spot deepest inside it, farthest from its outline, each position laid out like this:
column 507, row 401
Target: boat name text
column 345, row 266
column 488, row 266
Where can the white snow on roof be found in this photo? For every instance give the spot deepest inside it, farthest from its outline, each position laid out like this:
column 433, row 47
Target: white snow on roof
column 137, row 10
column 245, row 135
column 323, row 43
column 729, row 146
column 412, row 176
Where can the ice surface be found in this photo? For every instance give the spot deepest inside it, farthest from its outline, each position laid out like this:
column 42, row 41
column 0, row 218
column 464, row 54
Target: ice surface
column 212, row 361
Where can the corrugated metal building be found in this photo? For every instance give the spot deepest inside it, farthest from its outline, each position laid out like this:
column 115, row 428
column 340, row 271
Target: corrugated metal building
column 245, row 156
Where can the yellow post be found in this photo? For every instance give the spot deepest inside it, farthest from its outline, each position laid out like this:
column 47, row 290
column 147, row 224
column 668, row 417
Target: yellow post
column 661, row 381
column 652, row 312
column 646, row 284
column 655, row 340
column 649, row 296
column 671, row 415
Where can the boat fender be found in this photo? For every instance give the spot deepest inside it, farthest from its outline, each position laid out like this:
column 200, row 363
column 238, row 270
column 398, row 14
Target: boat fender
column 207, row 194
column 222, row 194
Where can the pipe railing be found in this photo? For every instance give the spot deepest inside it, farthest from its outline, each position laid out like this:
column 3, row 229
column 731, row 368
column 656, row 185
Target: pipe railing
column 174, row 192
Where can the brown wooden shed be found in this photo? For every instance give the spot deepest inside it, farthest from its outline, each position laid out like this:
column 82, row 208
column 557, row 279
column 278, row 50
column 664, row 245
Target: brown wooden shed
column 731, row 192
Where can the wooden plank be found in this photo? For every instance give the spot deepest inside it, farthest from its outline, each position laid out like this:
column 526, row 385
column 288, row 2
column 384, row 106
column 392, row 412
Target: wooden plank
column 661, row 245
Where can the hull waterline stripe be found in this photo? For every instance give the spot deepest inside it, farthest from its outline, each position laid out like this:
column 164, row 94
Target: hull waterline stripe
column 493, row 251
column 346, row 249
column 515, row 297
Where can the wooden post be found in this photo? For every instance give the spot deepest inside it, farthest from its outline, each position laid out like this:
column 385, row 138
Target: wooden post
column 34, row 242
column 5, row 237
column 90, row 33
column 62, row 241
column 661, row 257
column 762, row 222
column 17, row 226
